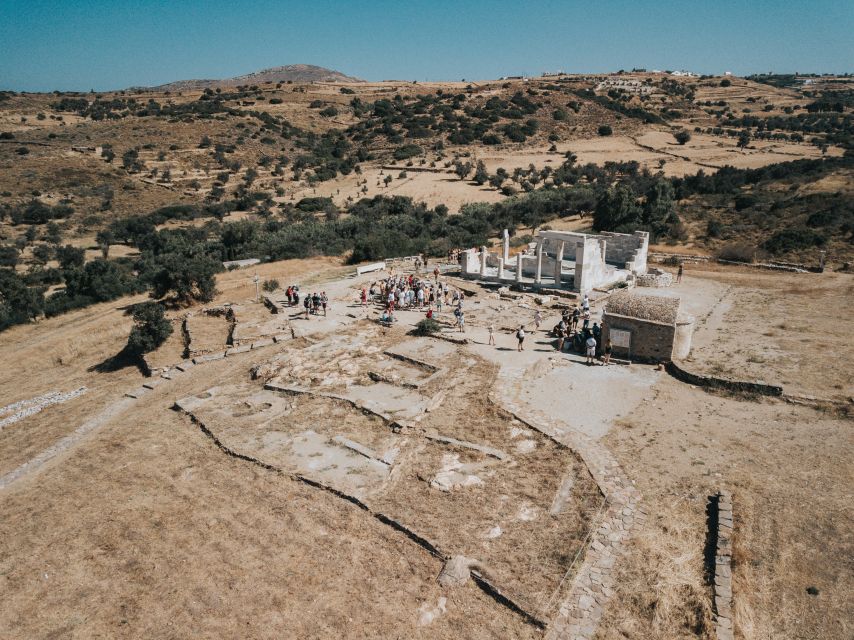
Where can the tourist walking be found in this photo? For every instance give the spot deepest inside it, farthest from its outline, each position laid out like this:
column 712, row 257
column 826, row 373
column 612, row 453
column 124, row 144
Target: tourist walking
column 538, row 318
column 324, row 301
column 520, row 337
column 679, row 274
column 491, row 340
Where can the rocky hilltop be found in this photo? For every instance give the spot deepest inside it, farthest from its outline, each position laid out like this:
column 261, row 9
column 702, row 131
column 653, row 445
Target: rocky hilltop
column 301, row 73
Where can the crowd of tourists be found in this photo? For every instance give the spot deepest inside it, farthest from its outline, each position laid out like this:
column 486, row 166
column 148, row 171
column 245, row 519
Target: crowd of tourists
column 573, row 332
column 414, row 292
column 432, row 295
column 314, row 304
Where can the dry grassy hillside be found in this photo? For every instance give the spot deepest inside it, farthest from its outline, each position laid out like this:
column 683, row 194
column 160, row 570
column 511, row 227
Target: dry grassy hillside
column 254, row 150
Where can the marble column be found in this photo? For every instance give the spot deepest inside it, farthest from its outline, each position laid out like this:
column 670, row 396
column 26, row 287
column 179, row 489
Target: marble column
column 539, row 278
column 559, row 263
column 519, row 267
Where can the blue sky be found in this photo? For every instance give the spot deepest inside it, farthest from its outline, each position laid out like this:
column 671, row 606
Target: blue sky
column 108, row 44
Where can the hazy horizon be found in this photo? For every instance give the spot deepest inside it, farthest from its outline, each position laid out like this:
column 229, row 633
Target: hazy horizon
column 95, row 44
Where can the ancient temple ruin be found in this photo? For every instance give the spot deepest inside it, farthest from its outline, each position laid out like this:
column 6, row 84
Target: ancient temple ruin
column 577, row 262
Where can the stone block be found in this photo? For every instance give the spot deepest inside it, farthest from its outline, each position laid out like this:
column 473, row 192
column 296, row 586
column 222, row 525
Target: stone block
column 209, row 357
column 240, row 349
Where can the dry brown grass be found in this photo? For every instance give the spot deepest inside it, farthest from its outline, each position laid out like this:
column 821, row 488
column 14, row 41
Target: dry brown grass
column 788, row 468
column 661, row 592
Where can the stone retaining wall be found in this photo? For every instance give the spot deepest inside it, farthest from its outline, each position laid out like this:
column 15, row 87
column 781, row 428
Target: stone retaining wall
column 760, row 388
column 723, row 568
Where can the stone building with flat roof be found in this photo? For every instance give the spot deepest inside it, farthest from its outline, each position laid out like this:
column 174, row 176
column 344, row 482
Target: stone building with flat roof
column 646, row 328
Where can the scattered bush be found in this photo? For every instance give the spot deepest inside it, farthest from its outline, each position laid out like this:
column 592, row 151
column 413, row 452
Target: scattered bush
column 794, row 240
column 426, row 327
column 738, row 252
column 682, row 137
column 150, row 328
column 18, row 303
column 407, row 151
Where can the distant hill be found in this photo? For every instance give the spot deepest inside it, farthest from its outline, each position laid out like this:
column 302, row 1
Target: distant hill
column 300, row 73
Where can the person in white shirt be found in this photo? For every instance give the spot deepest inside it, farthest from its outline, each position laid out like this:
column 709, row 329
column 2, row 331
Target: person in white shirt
column 591, row 349
column 520, row 336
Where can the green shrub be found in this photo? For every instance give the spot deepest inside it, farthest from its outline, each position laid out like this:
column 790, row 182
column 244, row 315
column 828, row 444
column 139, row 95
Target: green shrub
column 270, row 285
column 150, row 328
column 407, row 151
column 18, row 303
column 744, row 201
column 794, row 240
column 737, row 252
column 714, row 228
column 426, row 327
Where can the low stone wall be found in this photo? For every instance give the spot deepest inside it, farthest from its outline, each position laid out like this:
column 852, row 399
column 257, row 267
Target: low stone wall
column 723, row 568
column 668, row 258
column 481, row 581
column 738, row 386
column 763, row 265
column 654, row 278
column 25, row 408
column 217, row 312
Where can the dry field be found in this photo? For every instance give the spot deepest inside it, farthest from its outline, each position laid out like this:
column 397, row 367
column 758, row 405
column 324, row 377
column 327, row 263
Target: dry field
column 781, row 328
column 144, row 527
column 244, row 515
